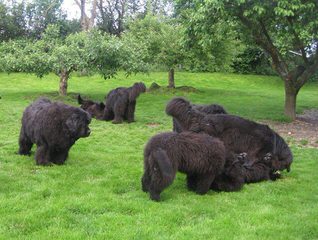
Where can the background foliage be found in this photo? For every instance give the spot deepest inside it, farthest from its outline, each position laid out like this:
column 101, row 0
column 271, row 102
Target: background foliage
column 177, row 42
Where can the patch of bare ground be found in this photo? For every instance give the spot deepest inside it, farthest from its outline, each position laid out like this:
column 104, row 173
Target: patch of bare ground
column 302, row 132
column 153, row 124
column 154, row 87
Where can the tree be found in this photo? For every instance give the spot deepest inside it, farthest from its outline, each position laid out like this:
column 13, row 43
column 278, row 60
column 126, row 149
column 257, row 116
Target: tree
column 211, row 43
column 89, row 51
column 29, row 19
column 87, row 22
column 12, row 21
column 281, row 28
column 40, row 14
column 111, row 16
column 161, row 40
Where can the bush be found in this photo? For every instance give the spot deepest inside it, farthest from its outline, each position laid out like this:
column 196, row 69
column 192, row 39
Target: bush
column 252, row 60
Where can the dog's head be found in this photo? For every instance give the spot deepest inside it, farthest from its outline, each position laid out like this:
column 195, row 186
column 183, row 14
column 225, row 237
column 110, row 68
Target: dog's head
column 178, row 107
column 136, row 90
column 184, row 115
column 280, row 158
column 181, row 110
column 93, row 108
column 283, row 156
column 77, row 123
column 140, row 87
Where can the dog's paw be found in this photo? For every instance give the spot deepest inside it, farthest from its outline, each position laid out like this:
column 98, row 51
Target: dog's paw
column 242, row 156
column 275, row 175
column 267, row 157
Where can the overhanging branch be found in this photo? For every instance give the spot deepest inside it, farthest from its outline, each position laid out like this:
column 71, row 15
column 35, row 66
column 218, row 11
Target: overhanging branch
column 310, row 70
column 262, row 38
column 299, row 43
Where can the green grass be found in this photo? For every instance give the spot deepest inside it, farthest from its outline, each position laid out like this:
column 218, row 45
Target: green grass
column 97, row 193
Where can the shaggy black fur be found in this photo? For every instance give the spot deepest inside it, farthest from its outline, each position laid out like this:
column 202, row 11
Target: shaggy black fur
column 121, row 103
column 260, row 170
column 54, row 128
column 232, row 177
column 239, row 170
column 238, row 134
column 200, row 156
column 207, row 109
column 95, row 109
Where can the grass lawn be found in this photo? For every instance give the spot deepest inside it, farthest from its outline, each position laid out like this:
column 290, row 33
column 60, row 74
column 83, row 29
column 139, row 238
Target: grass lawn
column 97, row 193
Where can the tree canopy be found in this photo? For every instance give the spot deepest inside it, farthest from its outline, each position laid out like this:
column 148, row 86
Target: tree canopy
column 286, row 30
column 162, row 41
column 90, row 51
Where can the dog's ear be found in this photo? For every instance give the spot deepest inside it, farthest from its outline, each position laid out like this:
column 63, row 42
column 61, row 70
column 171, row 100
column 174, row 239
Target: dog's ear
column 79, row 99
column 101, row 105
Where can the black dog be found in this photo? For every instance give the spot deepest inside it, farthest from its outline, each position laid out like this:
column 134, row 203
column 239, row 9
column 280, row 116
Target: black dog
column 207, row 109
column 121, row 102
column 95, row 109
column 238, row 134
column 54, row 128
column 200, row 156
column 233, row 176
column 261, row 170
column 239, row 169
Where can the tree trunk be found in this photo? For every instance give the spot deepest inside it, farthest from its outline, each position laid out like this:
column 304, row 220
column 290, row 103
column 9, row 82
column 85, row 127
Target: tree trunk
column 83, row 15
column 171, row 78
column 64, row 76
column 87, row 23
column 290, row 101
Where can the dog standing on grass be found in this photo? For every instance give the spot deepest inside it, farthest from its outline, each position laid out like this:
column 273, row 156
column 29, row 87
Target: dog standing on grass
column 120, row 103
column 54, row 127
column 200, row 156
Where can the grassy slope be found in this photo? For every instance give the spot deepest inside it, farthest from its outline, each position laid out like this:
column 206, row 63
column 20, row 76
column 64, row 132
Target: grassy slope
column 97, row 194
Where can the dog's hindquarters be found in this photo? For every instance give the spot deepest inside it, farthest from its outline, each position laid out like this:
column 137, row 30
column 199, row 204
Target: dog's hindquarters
column 159, row 173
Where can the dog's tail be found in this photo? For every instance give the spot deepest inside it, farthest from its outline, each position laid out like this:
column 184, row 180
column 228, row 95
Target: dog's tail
column 164, row 164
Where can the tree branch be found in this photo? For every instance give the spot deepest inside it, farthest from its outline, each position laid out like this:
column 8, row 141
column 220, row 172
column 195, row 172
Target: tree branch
column 93, row 13
column 309, row 71
column 78, row 3
column 262, row 38
column 299, row 43
column 50, row 7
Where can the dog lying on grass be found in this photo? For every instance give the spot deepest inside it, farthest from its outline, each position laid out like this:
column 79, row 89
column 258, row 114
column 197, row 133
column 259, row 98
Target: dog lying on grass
column 239, row 135
column 95, row 109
